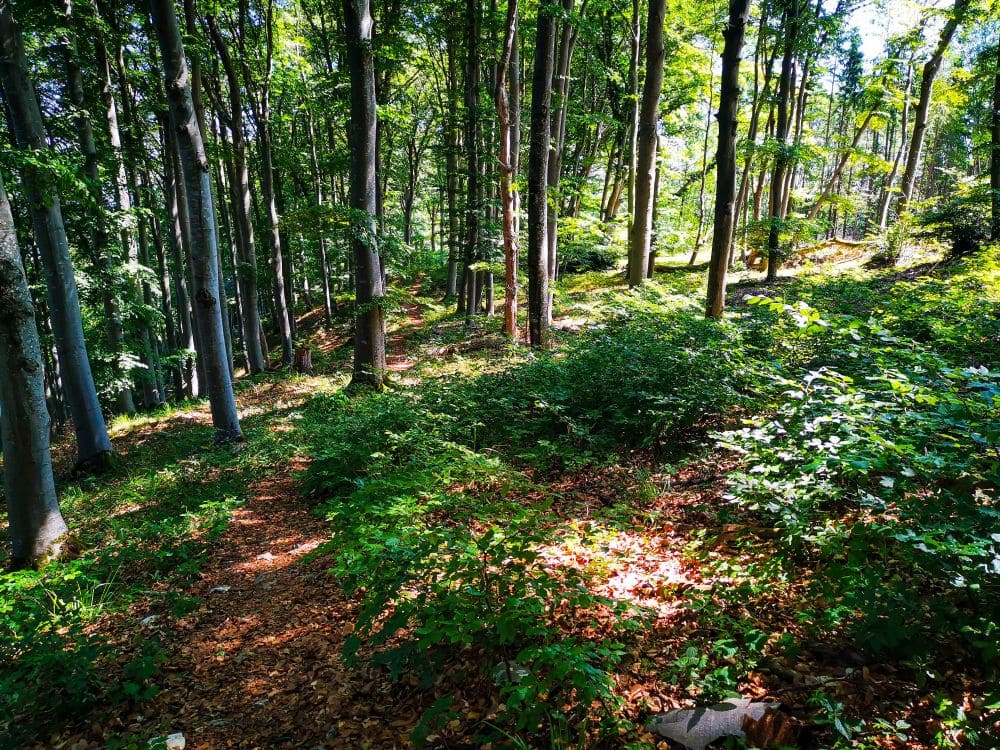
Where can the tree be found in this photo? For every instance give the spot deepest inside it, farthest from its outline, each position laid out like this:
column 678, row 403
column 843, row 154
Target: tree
column 369, row 322
column 93, row 445
column 642, row 221
column 538, row 160
column 725, row 156
column 36, row 525
column 239, row 185
column 995, row 149
column 776, row 202
column 201, row 224
column 507, row 206
column 920, row 114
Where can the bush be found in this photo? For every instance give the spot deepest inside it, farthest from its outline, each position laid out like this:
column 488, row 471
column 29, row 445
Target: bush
column 425, row 492
column 963, row 217
column 879, row 468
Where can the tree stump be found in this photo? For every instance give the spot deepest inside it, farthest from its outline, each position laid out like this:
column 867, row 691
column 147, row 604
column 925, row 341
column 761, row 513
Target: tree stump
column 303, row 363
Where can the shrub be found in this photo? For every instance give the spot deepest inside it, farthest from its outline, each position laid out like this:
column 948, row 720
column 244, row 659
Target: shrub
column 879, row 469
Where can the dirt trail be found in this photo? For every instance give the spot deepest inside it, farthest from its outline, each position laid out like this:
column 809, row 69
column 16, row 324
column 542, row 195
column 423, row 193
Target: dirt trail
column 258, row 664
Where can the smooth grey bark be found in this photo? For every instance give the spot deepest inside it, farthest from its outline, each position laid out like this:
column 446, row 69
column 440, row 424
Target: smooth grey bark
column 93, row 445
column 995, row 152
column 474, row 193
column 886, row 195
column 560, row 98
column 36, row 525
column 320, row 201
column 776, row 204
column 369, row 333
column 725, row 156
column 506, row 168
column 642, row 220
column 240, row 199
column 101, row 247
column 201, row 220
column 538, row 158
column 260, row 107
column 920, row 114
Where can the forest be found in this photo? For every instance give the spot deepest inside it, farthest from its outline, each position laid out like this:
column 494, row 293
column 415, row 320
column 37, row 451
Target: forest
column 500, row 374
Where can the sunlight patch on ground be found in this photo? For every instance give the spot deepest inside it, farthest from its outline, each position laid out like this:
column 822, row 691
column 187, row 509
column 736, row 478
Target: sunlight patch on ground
column 647, row 571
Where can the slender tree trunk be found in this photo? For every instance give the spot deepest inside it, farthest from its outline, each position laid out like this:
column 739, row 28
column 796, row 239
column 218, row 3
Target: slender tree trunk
column 699, row 235
column 99, row 235
column 776, row 197
column 541, row 100
column 510, row 245
column 642, row 224
column 369, row 336
column 36, row 525
column 201, row 217
column 93, row 445
column 995, row 153
column 453, row 144
column 838, row 170
column 472, row 133
column 320, row 202
column 930, row 72
column 246, row 272
column 725, row 156
column 886, row 196
column 635, row 40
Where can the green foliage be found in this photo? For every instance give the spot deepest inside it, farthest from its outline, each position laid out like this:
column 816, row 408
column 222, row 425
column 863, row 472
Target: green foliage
column 428, row 514
column 878, row 467
column 963, row 217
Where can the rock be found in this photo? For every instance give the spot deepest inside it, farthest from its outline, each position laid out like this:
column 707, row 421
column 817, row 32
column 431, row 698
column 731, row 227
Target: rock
column 149, row 620
column 696, row 728
column 220, row 589
column 509, row 671
column 176, row 741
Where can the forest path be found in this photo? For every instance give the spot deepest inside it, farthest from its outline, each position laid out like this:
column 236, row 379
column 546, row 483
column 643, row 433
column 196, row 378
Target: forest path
column 258, row 664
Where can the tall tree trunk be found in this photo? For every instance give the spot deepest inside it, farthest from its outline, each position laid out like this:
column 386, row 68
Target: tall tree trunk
column 320, row 202
column 776, row 198
column 725, row 156
column 99, row 235
column 541, row 100
column 369, row 335
column 930, row 72
column 995, row 153
column 93, row 445
column 838, row 170
column 36, row 525
column 453, row 144
column 560, row 94
column 201, row 218
column 699, row 235
column 472, row 132
column 246, row 272
column 886, row 195
column 635, row 40
column 642, row 220
column 507, row 208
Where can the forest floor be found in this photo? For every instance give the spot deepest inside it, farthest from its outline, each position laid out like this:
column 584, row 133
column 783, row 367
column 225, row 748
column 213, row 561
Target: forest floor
column 203, row 603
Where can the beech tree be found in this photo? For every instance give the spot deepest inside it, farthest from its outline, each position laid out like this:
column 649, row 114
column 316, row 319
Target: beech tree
column 538, row 160
column 36, row 525
column 920, row 113
column 201, row 227
column 642, row 222
column 369, row 321
column 92, row 442
column 725, row 156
